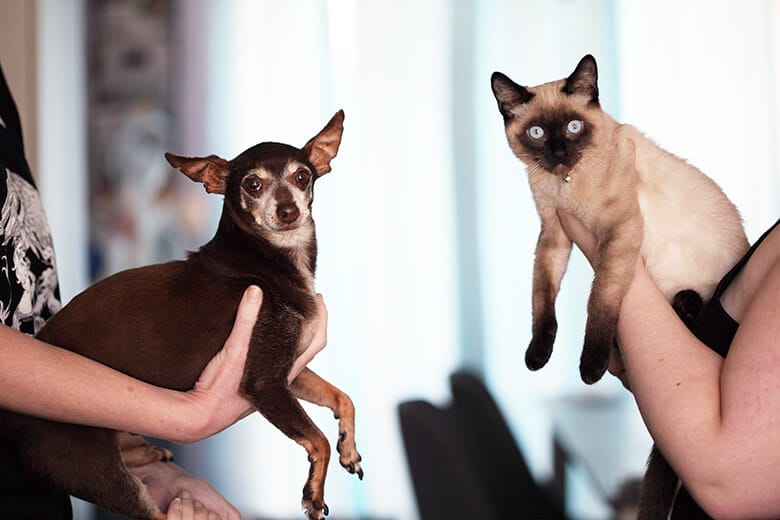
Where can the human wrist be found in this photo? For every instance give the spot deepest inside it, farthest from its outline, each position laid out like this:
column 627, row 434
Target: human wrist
column 185, row 419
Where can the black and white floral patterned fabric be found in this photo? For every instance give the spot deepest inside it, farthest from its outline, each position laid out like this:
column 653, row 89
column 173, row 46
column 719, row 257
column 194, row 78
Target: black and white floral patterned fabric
column 29, row 292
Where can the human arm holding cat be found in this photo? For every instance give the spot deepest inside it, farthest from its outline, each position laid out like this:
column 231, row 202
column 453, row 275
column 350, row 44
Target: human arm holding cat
column 46, row 381
column 716, row 420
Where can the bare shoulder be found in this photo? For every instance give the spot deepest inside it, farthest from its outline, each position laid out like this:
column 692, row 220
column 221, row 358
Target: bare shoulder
column 742, row 291
column 754, row 356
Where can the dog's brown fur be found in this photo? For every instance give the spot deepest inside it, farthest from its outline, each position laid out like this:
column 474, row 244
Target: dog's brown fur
column 163, row 323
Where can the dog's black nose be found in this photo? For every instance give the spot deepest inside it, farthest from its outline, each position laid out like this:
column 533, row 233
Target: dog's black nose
column 287, row 212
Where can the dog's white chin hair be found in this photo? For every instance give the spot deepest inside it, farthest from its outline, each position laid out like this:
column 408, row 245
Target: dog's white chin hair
column 284, row 228
column 297, row 235
column 297, row 241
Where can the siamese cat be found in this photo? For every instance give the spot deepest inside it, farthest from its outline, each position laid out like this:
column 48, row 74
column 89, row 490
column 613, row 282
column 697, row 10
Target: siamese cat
column 635, row 197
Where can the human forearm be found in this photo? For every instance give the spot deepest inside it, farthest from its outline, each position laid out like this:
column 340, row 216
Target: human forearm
column 62, row 386
column 674, row 377
column 54, row 383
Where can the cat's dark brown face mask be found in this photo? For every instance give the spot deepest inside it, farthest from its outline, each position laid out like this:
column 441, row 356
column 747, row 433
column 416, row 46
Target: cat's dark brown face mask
column 550, row 126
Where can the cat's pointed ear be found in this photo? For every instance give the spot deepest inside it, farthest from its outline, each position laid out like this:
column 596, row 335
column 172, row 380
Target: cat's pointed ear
column 584, row 80
column 509, row 94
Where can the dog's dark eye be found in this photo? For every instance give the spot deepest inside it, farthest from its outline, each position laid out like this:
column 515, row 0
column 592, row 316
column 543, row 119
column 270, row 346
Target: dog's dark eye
column 302, row 178
column 252, row 184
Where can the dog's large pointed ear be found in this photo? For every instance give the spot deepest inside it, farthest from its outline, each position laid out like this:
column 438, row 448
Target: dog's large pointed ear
column 212, row 171
column 509, row 94
column 322, row 148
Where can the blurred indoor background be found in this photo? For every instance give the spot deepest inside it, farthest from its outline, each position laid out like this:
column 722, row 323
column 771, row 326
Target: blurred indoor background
column 426, row 224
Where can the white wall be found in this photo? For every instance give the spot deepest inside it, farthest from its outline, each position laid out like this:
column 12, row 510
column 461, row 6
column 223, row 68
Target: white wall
column 62, row 163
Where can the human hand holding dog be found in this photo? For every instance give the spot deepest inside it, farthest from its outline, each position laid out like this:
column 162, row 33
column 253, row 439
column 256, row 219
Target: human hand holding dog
column 182, row 495
column 184, row 507
column 215, row 398
column 216, row 403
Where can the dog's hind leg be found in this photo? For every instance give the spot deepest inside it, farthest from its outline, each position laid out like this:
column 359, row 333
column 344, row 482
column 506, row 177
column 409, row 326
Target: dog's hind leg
column 312, row 388
column 137, row 451
column 276, row 403
column 86, row 462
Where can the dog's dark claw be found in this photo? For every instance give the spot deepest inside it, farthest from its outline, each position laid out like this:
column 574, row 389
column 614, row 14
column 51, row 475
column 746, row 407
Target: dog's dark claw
column 351, row 467
column 325, row 509
column 360, row 474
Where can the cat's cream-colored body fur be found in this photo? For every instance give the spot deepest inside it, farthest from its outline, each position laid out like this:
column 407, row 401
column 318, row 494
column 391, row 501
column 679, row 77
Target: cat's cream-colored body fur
column 691, row 234
column 696, row 234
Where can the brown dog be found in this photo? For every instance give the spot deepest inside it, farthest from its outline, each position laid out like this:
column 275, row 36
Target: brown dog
column 163, row 323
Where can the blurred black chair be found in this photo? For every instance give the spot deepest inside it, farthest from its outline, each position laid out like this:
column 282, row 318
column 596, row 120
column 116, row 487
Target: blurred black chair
column 464, row 461
column 494, row 456
column 444, row 485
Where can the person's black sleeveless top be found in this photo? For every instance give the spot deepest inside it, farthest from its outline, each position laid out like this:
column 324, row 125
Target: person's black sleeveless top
column 716, row 329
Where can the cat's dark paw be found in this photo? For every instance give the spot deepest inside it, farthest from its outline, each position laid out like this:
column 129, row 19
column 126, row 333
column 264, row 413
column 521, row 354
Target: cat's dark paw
column 541, row 346
column 688, row 305
column 595, row 359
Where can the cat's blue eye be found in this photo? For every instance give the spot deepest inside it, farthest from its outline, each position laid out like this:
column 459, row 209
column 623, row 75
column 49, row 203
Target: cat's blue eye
column 536, row 132
column 574, row 126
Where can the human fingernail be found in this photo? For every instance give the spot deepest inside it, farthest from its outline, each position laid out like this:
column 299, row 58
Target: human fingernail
column 253, row 294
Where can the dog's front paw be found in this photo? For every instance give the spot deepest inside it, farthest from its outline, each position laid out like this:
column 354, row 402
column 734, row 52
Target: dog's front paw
column 349, row 458
column 541, row 346
column 315, row 509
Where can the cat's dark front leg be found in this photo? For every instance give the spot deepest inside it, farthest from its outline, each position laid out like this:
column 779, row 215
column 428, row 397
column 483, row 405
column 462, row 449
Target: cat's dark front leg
column 552, row 256
column 616, row 257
